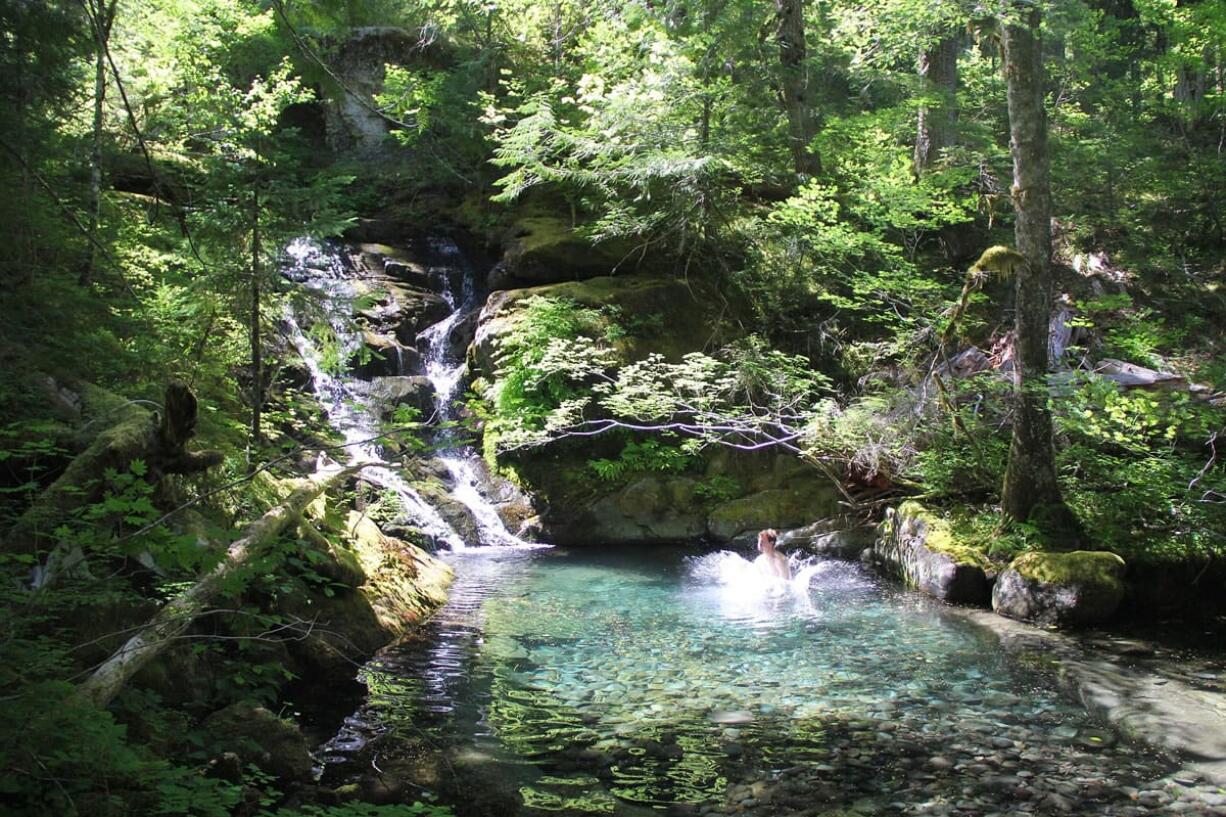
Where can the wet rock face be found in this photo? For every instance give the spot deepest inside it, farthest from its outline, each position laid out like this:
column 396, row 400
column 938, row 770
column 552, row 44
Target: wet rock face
column 769, row 492
column 915, row 547
column 392, row 392
column 832, row 539
column 1076, row 588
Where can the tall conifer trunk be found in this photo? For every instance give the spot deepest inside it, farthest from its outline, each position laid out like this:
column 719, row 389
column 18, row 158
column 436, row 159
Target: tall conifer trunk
column 257, row 358
column 937, row 122
column 101, row 14
column 1030, row 477
column 794, row 79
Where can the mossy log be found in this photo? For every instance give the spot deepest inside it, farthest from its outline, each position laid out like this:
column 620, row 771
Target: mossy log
column 177, row 615
column 130, row 432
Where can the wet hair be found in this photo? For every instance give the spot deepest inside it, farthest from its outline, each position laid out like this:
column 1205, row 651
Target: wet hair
column 771, row 535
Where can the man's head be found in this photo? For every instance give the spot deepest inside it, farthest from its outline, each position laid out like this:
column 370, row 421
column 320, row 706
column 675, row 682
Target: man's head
column 767, row 540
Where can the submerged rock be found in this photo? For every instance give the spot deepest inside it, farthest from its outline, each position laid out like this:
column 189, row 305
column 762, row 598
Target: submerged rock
column 1082, row 587
column 918, row 547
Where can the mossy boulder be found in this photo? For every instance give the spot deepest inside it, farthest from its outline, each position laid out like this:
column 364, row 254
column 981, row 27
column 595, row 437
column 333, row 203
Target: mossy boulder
column 670, row 317
column 259, row 737
column 1076, row 588
column 920, row 547
column 789, row 507
column 545, row 249
column 650, row 509
column 382, row 587
column 767, row 491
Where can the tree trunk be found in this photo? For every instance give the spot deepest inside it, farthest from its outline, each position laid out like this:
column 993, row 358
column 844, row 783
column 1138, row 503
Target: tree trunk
column 938, row 114
column 178, row 614
column 160, row 440
column 101, row 16
column 794, row 78
column 1030, row 477
column 257, row 359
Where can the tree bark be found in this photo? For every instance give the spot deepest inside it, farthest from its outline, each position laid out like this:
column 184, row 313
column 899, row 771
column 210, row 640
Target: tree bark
column 794, row 79
column 937, row 121
column 101, row 16
column 178, row 614
column 1030, row 477
column 257, row 357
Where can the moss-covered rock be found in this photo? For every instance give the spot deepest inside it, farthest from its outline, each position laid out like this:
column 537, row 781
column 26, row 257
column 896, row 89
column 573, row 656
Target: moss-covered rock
column 544, row 249
column 919, row 547
column 651, row 509
column 670, row 317
column 1081, row 587
column 788, row 507
column 404, row 584
column 259, row 737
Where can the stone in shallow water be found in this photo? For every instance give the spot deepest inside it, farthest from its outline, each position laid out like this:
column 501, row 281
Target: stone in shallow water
column 731, row 716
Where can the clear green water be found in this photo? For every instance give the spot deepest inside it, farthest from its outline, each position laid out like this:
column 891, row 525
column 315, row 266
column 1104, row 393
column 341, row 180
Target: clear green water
column 675, row 682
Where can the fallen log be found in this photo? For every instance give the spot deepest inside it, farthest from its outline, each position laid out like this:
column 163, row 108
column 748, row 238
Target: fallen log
column 177, row 614
column 158, row 438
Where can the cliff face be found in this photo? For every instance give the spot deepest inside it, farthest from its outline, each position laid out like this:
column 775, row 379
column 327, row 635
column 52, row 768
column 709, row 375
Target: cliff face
column 722, row 494
column 355, row 125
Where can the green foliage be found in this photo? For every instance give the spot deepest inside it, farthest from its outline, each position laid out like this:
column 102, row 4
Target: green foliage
column 718, row 488
column 359, row 809
column 1137, row 471
column 663, row 455
column 544, row 363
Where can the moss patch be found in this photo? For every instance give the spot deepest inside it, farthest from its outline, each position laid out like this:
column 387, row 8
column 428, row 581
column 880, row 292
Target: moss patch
column 1079, row 567
column 942, row 536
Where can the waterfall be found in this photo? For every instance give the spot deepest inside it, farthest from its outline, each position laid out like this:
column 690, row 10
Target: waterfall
column 445, row 368
column 322, row 270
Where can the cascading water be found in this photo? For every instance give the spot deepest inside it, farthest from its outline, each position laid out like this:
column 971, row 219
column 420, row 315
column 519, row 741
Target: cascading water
column 347, row 399
column 445, row 368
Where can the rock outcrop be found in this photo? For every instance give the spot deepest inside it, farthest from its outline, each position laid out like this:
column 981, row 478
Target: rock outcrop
column 544, row 249
column 918, row 547
column 1082, row 587
column 724, row 495
column 259, row 737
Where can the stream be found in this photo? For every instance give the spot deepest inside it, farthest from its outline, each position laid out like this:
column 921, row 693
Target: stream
column 680, row 681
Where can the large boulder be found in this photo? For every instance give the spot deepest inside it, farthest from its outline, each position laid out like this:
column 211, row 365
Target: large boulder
column 545, row 249
column 831, row 538
column 674, row 318
column 724, row 495
column 1081, row 587
column 649, row 509
column 259, row 737
column 388, row 393
column 918, row 547
column 382, row 356
column 703, row 503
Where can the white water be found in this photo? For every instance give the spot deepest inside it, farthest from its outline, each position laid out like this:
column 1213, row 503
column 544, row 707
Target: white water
column 749, row 590
column 444, row 369
column 345, row 397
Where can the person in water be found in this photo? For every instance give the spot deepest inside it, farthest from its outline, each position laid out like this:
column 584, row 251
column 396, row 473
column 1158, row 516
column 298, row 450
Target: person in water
column 773, row 562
